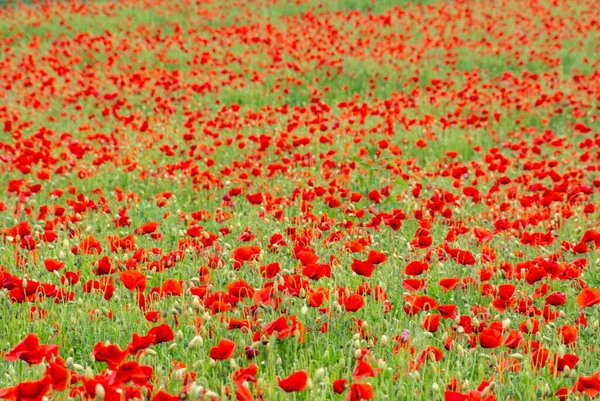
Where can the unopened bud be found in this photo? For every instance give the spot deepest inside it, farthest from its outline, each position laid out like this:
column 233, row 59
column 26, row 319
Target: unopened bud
column 319, row 375
column 196, row 342
column 100, row 392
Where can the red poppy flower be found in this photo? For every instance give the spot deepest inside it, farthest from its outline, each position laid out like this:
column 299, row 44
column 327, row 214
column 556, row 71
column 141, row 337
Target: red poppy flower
column 242, row 393
column 27, row 391
column 340, row 385
column 363, row 268
column 255, row 199
column 223, row 350
column 556, row 298
column 240, row 289
column 59, row 375
column 364, row 369
column 376, row 257
column 539, row 357
column 245, row 253
column 134, row 372
column 567, row 360
column 133, row 280
column 417, row 303
column 171, row 287
column 162, row 333
column 147, row 228
column 360, row 391
column 448, row 283
column 567, row 334
column 413, row 284
column 139, row 343
column 297, row 381
column 354, row 302
column 588, row 297
column 589, row 385
column 111, row 354
column 245, row 374
column 514, row 339
column 490, row 338
column 53, row 265
column 162, row 395
column 87, row 246
column 506, row 291
column 31, row 351
column 431, row 323
column 415, row 268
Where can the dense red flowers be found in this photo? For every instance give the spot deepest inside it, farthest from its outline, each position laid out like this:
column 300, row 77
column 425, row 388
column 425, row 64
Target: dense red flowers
column 361, row 192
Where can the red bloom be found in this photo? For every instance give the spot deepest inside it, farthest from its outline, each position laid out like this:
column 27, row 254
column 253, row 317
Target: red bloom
column 490, row 338
column 27, row 391
column 162, row 395
column 53, row 265
column 376, row 257
column 147, row 228
column 295, row 382
column 354, row 302
column 223, row 350
column 448, row 283
column 567, row 334
column 31, row 351
column 245, row 374
column 416, row 303
column 242, row 393
column 590, row 385
column 360, row 391
column 58, row 374
column 364, row 369
column 557, row 298
column 569, row 360
column 374, row 196
column 514, row 339
column 244, row 253
column 588, row 297
column 255, row 199
column 415, row 268
column 111, row 354
column 431, row 323
column 87, row 246
column 139, row 343
column 162, row 333
column 539, row 357
column 171, row 287
column 134, row 372
column 133, row 280
column 363, row 268
column 413, row 284
column 340, row 385
column 506, row 291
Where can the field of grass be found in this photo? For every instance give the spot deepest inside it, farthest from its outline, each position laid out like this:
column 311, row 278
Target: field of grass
column 300, row 200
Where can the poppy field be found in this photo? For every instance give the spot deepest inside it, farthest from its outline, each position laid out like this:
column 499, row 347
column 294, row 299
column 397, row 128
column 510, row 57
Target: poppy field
column 300, row 200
